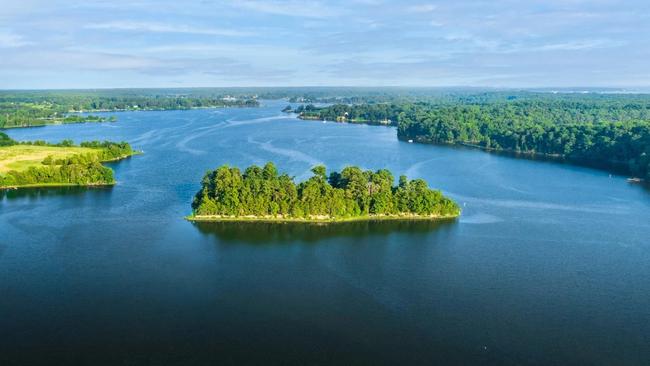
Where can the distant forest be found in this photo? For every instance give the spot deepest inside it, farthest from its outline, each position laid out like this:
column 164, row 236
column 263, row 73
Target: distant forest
column 604, row 131
column 37, row 108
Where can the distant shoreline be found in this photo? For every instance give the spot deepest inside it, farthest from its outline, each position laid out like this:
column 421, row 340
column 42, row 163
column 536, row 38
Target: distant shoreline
column 348, row 121
column 59, row 121
column 159, row 109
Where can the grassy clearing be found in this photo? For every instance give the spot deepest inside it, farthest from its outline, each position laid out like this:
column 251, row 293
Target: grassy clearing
column 21, row 157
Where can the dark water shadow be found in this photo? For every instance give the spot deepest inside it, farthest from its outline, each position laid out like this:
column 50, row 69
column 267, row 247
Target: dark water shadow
column 645, row 186
column 44, row 192
column 259, row 233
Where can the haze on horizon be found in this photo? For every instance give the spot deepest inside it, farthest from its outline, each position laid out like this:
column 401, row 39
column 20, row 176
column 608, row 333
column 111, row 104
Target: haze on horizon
column 151, row 43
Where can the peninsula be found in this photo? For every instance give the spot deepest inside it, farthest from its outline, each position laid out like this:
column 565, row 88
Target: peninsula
column 40, row 164
column 262, row 194
column 608, row 131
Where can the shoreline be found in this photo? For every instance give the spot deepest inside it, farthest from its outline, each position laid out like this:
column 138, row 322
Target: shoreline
column 317, row 220
column 615, row 167
column 133, row 153
column 56, row 123
column 159, row 109
column 511, row 152
column 59, row 123
column 57, row 185
column 347, row 121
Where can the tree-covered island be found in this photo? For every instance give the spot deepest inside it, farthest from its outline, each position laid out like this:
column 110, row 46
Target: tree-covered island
column 41, row 164
column 263, row 194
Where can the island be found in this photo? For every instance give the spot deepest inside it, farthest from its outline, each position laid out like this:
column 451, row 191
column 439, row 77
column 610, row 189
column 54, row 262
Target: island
column 263, row 194
column 40, row 164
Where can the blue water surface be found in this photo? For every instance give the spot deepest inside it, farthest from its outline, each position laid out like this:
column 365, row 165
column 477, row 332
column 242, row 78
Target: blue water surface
column 549, row 263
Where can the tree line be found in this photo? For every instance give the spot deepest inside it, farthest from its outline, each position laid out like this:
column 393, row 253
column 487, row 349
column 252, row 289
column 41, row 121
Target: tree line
column 611, row 138
column 353, row 192
column 82, row 169
column 604, row 131
column 37, row 108
column 106, row 150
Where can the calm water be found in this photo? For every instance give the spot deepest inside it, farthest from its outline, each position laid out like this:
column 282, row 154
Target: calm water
column 549, row 264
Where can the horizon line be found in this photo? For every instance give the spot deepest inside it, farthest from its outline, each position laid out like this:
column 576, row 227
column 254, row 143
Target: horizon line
column 496, row 88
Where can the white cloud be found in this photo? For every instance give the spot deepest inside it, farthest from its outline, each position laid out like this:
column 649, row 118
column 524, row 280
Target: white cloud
column 578, row 45
column 165, row 28
column 419, row 41
column 9, row 39
column 368, row 2
column 308, row 9
column 421, row 8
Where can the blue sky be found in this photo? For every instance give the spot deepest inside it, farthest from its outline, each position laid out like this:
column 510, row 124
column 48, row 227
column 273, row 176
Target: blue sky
column 160, row 43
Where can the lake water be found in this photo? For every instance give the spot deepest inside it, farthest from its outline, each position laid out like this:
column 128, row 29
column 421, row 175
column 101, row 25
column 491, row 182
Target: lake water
column 549, row 263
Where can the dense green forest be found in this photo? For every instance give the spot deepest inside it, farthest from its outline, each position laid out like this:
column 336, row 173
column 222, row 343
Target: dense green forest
column 80, row 169
column 261, row 192
column 613, row 138
column 605, row 131
column 37, row 108
column 382, row 113
column 25, row 108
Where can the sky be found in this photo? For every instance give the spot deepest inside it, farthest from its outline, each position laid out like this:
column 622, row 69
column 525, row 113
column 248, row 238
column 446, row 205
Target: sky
column 203, row 43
